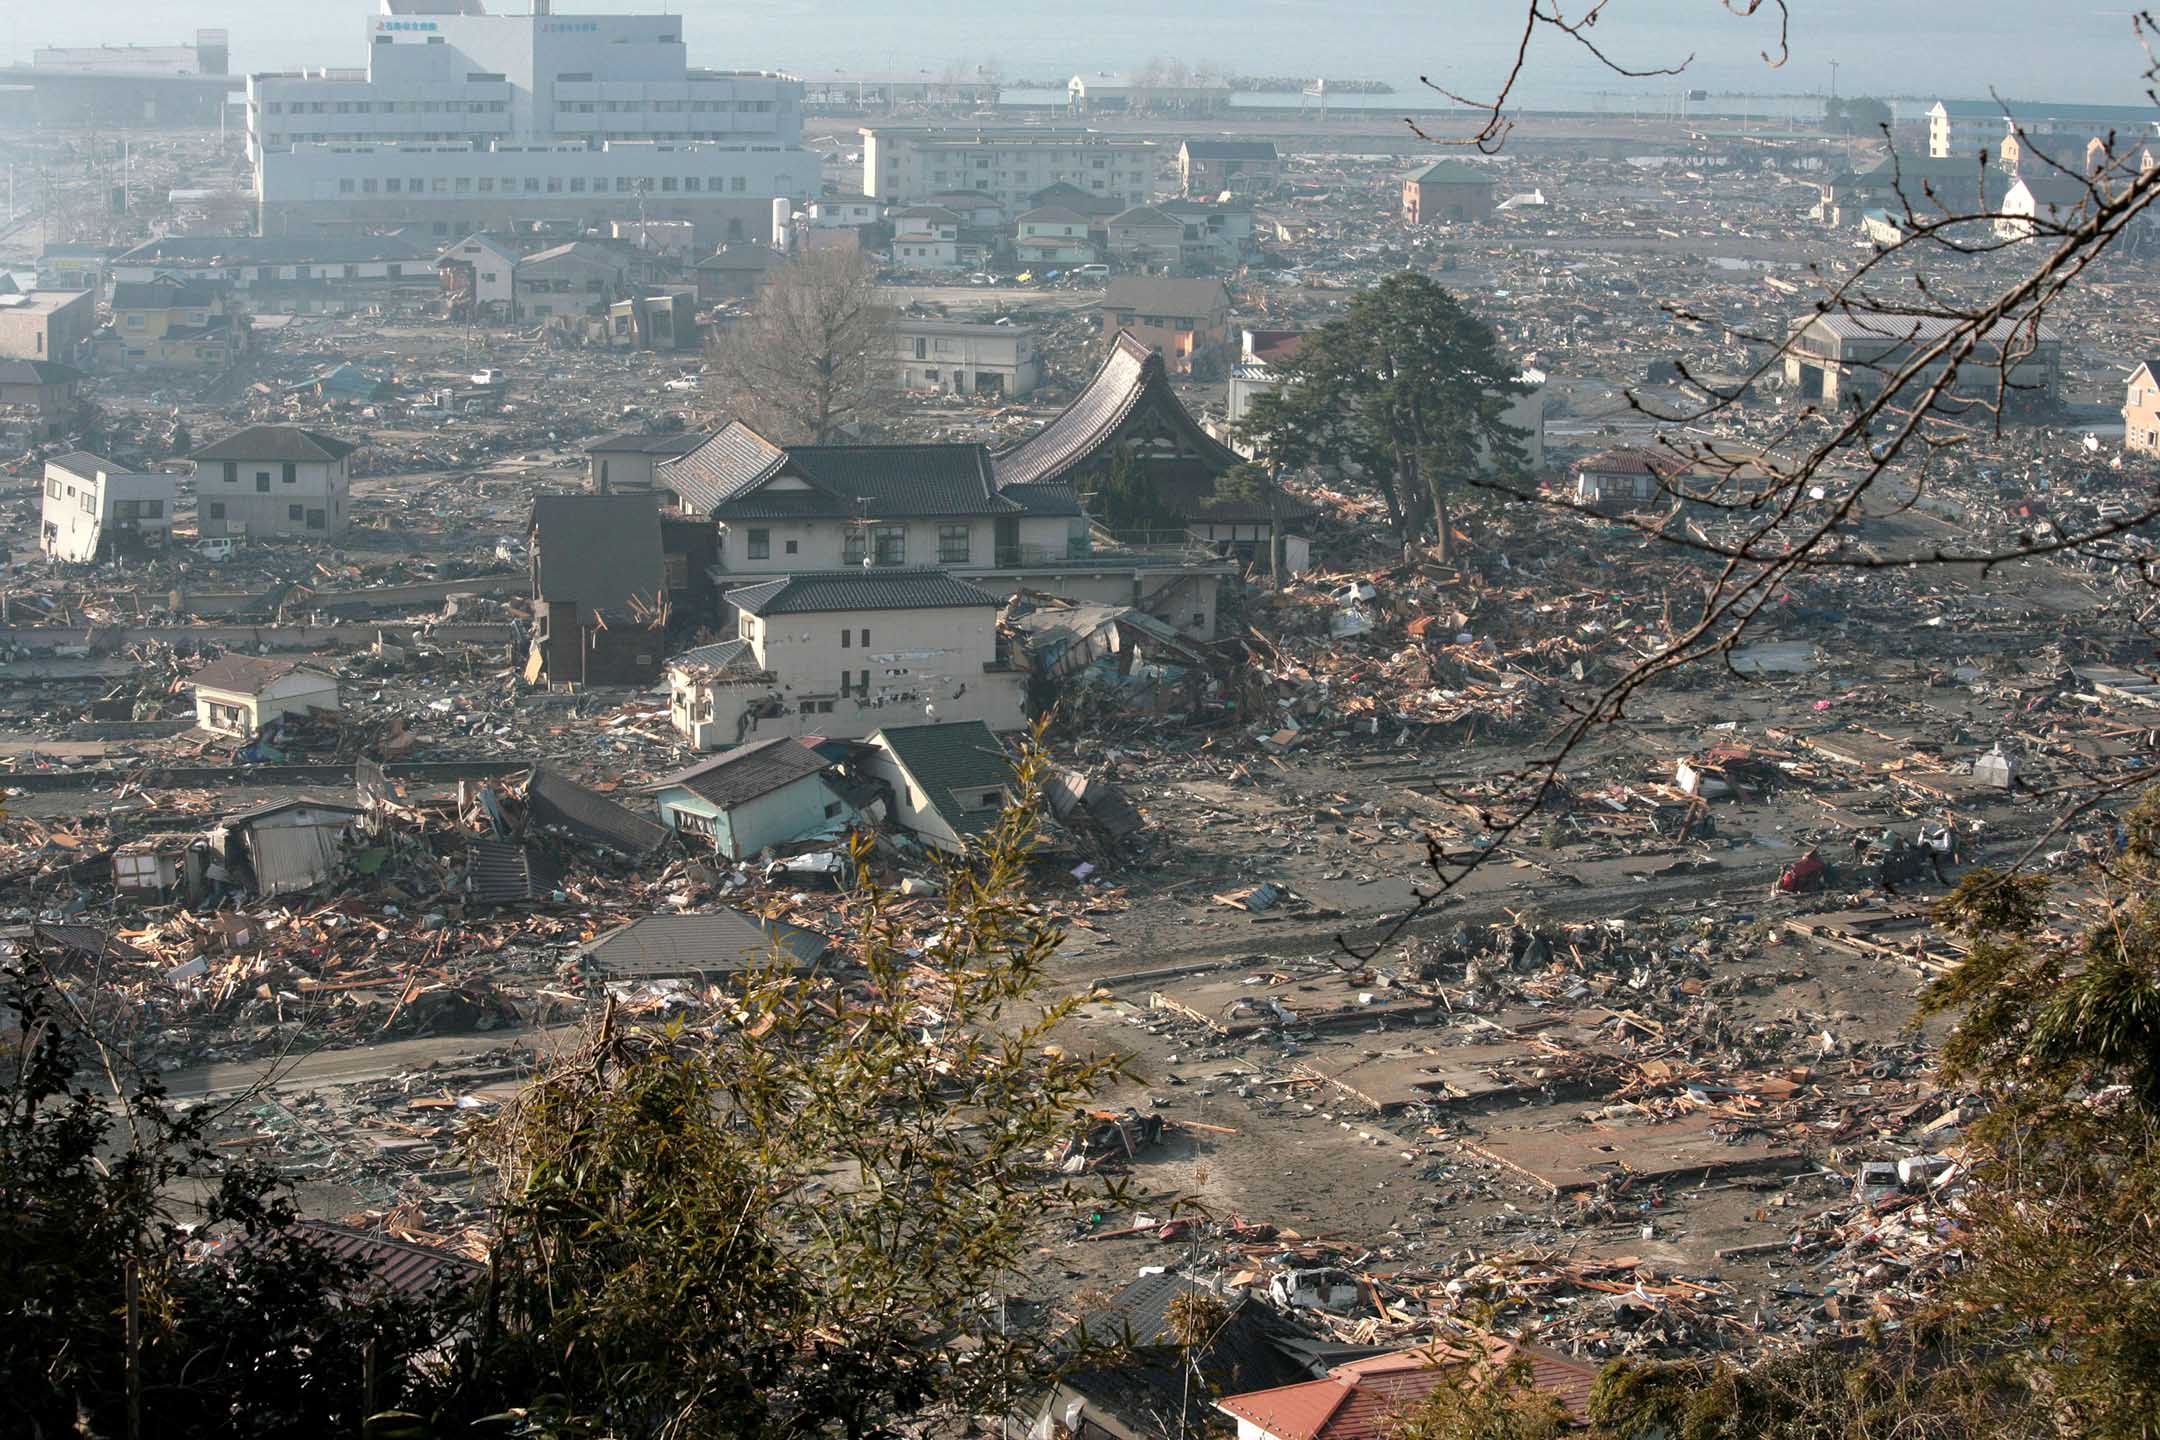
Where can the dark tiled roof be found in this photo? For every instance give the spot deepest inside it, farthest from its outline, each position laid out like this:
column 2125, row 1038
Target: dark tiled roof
column 269, row 250
column 1633, row 460
column 559, row 802
column 276, row 442
column 245, row 674
column 1151, row 1383
column 1071, row 197
column 824, row 591
column 726, row 478
column 1052, row 215
column 951, row 760
column 1131, row 378
column 409, row 1269
column 720, row 655
column 740, row 257
column 37, row 372
column 597, row 551
column 1162, row 295
column 902, row 480
column 162, row 295
column 1230, row 149
column 1044, row 499
column 1148, row 215
column 746, row 772
column 667, row 444
column 725, row 466
column 715, row 942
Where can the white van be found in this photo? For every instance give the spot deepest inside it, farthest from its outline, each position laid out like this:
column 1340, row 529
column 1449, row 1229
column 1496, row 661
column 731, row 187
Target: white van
column 1092, row 272
column 220, row 548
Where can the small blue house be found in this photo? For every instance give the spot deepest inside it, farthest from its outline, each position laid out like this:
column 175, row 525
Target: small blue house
column 752, row 797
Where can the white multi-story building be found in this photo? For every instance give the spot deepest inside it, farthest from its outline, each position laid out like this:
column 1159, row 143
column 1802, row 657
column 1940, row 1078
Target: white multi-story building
column 467, row 120
column 914, row 162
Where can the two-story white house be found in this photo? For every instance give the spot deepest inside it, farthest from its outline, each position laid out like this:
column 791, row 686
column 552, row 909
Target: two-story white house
column 843, row 212
column 273, row 481
column 1052, row 235
column 840, row 653
column 801, row 508
column 483, row 269
column 964, row 358
column 926, row 237
column 94, row 509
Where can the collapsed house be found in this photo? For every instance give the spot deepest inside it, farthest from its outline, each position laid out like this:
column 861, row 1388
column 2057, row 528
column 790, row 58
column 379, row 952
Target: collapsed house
column 599, row 591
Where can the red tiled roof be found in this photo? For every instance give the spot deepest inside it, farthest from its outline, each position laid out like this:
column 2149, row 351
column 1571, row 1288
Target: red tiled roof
column 1633, row 460
column 1275, row 346
column 1366, row 1399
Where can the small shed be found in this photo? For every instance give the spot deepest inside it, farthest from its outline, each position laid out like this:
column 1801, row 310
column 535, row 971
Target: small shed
column 290, row 846
column 752, row 797
column 240, row 694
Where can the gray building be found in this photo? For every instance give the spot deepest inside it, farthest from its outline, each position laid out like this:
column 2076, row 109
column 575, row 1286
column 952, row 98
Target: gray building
column 911, row 162
column 273, row 481
column 966, row 359
column 623, row 463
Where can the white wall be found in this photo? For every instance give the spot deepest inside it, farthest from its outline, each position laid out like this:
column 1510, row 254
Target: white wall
column 821, row 544
column 288, row 695
column 913, row 658
column 243, row 506
column 78, row 510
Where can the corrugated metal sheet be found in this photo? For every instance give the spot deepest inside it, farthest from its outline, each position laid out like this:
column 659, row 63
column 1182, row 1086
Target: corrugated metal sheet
column 290, row 858
column 501, row 872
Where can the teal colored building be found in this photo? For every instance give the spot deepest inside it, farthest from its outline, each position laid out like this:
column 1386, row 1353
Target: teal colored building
column 753, row 797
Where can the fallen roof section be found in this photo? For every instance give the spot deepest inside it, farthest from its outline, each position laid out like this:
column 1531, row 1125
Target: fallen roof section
column 709, row 943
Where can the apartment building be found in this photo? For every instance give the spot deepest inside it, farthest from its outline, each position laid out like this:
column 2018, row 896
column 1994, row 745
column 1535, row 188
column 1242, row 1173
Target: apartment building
column 909, row 163
column 462, row 121
column 1961, row 129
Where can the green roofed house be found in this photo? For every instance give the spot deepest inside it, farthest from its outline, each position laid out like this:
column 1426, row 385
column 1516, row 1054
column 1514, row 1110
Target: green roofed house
column 1447, row 192
column 949, row 782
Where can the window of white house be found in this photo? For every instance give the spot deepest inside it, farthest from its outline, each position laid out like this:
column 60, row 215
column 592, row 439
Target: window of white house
column 952, row 544
column 759, row 546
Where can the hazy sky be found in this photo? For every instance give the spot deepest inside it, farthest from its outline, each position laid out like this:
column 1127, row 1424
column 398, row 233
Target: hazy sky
column 1909, row 47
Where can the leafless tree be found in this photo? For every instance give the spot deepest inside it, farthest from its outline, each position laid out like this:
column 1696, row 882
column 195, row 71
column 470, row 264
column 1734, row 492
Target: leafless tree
column 810, row 360
column 1943, row 373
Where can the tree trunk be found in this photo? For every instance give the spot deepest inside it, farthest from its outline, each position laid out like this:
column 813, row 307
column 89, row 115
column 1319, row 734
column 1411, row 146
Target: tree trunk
column 1439, row 489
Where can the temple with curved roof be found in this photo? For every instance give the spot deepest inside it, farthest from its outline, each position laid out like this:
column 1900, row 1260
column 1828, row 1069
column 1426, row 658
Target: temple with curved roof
column 1129, row 408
